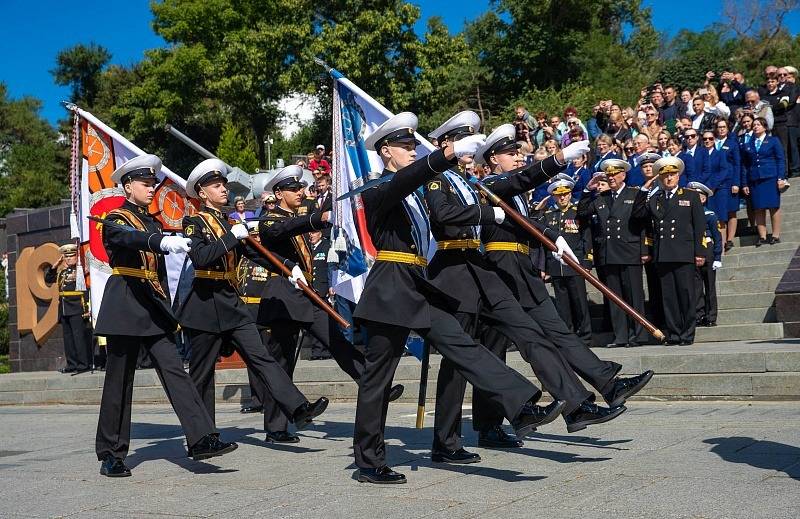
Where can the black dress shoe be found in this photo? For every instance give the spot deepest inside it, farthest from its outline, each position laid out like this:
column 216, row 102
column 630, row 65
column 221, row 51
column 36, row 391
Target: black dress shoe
column 760, row 242
column 728, row 245
column 281, row 437
column 381, row 476
column 589, row 413
column 686, row 343
column 459, row 457
column 81, row 371
column 114, row 467
column 532, row 416
column 251, row 409
column 617, row 345
column 773, row 240
column 711, row 324
column 306, row 413
column 396, row 392
column 673, row 342
column 210, row 446
column 498, row 438
column 624, row 388
column 67, row 370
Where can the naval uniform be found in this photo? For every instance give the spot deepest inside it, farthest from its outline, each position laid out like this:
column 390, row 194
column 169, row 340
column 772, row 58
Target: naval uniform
column 252, row 281
column 136, row 313
column 569, row 287
column 214, row 314
column 678, row 225
column 286, row 310
column 459, row 269
column 72, row 307
column 518, row 258
column 706, row 276
column 398, row 298
column 620, row 252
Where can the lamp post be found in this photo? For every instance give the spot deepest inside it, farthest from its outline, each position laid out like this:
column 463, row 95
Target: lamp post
column 268, row 141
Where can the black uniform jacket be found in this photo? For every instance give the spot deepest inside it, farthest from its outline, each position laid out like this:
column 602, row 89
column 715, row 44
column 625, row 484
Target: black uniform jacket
column 678, row 225
column 399, row 293
column 66, row 280
column 565, row 221
column 462, row 273
column 515, row 268
column 214, row 305
column 623, row 238
column 131, row 305
column 282, row 232
column 252, row 283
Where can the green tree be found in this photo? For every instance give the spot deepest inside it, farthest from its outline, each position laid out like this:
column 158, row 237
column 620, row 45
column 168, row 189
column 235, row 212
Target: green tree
column 79, row 68
column 235, row 150
column 692, row 54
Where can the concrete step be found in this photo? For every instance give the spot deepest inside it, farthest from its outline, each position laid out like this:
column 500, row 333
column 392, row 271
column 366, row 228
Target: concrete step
column 749, row 256
column 747, row 286
column 744, row 332
column 744, row 301
column 790, row 234
column 729, row 273
column 746, row 315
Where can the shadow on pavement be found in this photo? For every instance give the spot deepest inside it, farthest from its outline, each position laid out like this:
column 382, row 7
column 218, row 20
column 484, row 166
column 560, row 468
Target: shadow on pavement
column 173, row 451
column 762, row 454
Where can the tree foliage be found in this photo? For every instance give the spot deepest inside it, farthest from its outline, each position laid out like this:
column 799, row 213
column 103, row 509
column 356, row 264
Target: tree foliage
column 79, row 68
column 235, row 150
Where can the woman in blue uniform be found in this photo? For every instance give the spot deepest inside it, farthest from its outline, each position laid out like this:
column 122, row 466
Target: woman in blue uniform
column 765, row 163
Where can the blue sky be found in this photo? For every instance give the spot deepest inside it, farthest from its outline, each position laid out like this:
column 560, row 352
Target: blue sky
column 34, row 33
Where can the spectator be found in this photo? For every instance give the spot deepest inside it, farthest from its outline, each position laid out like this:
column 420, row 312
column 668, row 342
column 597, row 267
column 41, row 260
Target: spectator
column 641, row 145
column 556, row 126
column 239, row 214
column 551, row 147
column 318, row 248
column 268, row 203
column 523, row 126
column 538, row 136
column 652, row 124
column 765, row 164
column 662, row 140
column 701, row 120
column 793, row 122
column 317, row 160
column 727, row 144
column 732, row 90
column 574, row 134
column 759, row 108
column 579, row 171
column 603, row 147
column 716, row 175
column 540, row 193
column 617, row 127
column 672, row 109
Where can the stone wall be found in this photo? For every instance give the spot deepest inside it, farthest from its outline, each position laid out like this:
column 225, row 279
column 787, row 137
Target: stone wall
column 32, row 228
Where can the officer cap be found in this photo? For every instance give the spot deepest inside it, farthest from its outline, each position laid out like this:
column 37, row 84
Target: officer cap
column 501, row 139
column 288, row 177
column 466, row 122
column 561, row 176
column 666, row 165
column 141, row 167
column 399, row 128
column 700, row 188
column 600, row 174
column 206, row 171
column 613, row 166
column 269, row 197
column 648, row 158
column 560, row 187
column 69, row 249
column 252, row 227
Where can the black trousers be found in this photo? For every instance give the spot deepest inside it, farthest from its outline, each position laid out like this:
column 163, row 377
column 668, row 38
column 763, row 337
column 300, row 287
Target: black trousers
column 600, row 374
column 77, row 342
column 680, row 303
column 572, row 304
column 706, row 288
column 626, row 280
column 507, row 317
column 654, row 291
column 114, row 424
column 505, row 388
column 205, row 351
column 282, row 344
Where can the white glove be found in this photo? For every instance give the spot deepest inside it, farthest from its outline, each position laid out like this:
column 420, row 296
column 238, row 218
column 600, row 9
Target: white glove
column 297, row 278
column 176, row 244
column 499, row 215
column 575, row 150
column 240, row 231
column 468, row 145
column 716, row 265
column 563, row 248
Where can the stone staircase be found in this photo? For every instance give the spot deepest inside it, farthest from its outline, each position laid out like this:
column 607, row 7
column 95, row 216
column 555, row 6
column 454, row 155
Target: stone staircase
column 745, row 284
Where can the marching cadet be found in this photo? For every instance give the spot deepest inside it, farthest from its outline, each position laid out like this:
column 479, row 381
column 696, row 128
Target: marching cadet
column 620, row 250
column 318, row 246
column 678, row 225
column 73, row 311
column 508, row 249
column 136, row 313
column 284, row 308
column 252, row 280
column 459, row 269
column 651, row 187
column 569, row 287
column 706, row 275
column 398, row 298
column 213, row 312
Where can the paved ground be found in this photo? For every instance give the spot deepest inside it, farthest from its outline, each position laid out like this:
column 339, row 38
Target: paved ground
column 670, row 460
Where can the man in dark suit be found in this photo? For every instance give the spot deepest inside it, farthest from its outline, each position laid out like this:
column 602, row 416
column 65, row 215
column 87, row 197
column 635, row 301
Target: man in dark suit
column 679, row 223
column 622, row 249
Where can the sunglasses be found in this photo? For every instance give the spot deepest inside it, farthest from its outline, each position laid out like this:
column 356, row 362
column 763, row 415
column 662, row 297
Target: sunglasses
column 708, row 139
column 691, row 135
column 629, row 148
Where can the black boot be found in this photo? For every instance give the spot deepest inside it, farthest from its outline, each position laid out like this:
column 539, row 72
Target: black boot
column 498, row 438
column 532, row 416
column 589, row 413
column 114, row 467
column 624, row 388
column 306, row 413
column 210, row 446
